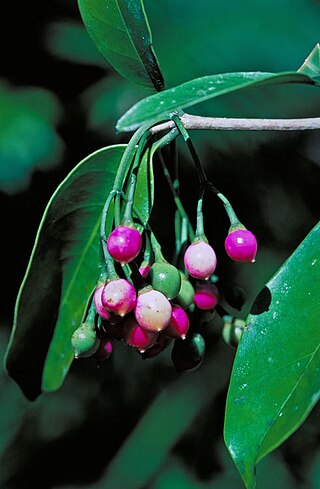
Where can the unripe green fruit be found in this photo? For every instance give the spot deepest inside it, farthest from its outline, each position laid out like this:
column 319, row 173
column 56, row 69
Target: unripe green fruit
column 188, row 354
column 232, row 330
column 186, row 293
column 165, row 278
column 84, row 341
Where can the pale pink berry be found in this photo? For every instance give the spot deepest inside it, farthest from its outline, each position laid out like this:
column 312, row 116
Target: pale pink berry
column 152, row 310
column 138, row 337
column 241, row 245
column 101, row 310
column 105, row 349
column 144, row 270
column 179, row 323
column 124, row 244
column 200, row 260
column 119, row 296
column 206, row 296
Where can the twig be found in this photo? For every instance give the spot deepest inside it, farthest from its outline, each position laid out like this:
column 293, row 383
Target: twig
column 235, row 124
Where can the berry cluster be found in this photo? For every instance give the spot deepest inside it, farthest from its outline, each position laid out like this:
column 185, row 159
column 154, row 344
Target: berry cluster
column 141, row 298
column 155, row 311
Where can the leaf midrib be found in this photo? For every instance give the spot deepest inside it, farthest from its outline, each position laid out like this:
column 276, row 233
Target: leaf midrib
column 284, row 404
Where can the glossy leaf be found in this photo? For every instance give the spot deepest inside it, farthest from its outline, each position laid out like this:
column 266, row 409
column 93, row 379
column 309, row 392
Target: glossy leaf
column 122, row 34
column 62, row 273
column 275, row 380
column 311, row 65
column 144, row 192
column 200, row 90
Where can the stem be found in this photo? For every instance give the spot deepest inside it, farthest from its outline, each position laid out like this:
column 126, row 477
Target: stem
column 91, row 314
column 166, row 139
column 127, row 217
column 200, row 227
column 184, row 133
column 240, row 124
column 234, row 221
column 111, row 272
column 176, row 196
column 156, row 247
column 177, row 230
column 126, row 160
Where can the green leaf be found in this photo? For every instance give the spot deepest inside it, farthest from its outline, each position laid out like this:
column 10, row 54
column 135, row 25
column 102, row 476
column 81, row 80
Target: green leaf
column 199, row 90
column 275, row 380
column 122, row 34
column 144, row 193
column 28, row 138
column 61, row 274
column 63, row 271
column 311, row 65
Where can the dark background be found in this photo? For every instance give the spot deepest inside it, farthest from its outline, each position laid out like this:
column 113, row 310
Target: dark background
column 272, row 180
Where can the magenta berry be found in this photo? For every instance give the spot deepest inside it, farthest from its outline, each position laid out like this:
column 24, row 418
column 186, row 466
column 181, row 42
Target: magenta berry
column 152, row 310
column 124, row 244
column 105, row 349
column 241, row 245
column 144, row 270
column 138, row 337
column 200, row 260
column 179, row 323
column 119, row 296
column 206, row 296
column 101, row 310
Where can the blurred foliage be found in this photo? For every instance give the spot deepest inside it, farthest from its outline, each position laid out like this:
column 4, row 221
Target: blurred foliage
column 28, row 136
column 272, row 180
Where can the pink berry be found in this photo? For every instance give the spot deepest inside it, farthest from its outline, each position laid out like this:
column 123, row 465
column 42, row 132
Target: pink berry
column 241, row 245
column 206, row 296
column 101, row 310
column 144, row 270
column 152, row 310
column 119, row 296
column 138, row 337
column 200, row 260
column 179, row 324
column 105, row 349
column 124, row 244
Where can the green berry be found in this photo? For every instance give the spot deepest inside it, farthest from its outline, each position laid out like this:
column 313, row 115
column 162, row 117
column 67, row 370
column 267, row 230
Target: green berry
column 84, row 341
column 232, row 330
column 188, row 354
column 165, row 278
column 186, row 293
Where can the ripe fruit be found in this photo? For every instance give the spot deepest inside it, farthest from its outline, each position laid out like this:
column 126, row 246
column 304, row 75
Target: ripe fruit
column 188, row 354
column 119, row 296
column 138, row 337
column 179, row 323
column 206, row 296
column 84, row 341
column 101, row 310
column 241, row 245
column 144, row 270
column 105, row 349
column 152, row 310
column 165, row 278
column 124, row 243
column 200, row 260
